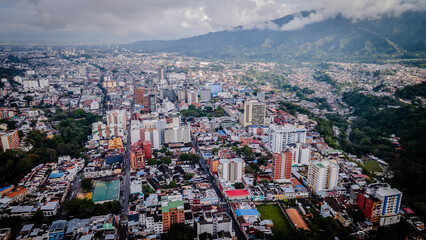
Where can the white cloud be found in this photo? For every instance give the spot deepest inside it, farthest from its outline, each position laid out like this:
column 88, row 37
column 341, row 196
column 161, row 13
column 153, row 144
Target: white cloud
column 170, row 19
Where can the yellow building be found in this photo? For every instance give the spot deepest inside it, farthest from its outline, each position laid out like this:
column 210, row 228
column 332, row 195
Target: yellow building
column 115, row 143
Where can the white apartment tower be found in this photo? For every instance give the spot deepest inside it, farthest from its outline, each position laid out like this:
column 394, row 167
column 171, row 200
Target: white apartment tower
column 322, row 175
column 281, row 136
column 231, row 170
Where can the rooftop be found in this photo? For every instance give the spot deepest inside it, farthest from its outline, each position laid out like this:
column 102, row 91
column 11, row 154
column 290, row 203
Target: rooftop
column 169, row 205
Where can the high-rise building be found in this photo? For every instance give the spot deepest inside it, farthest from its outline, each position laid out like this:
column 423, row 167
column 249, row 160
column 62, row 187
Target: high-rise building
column 147, row 149
column 177, row 135
column 137, row 160
column 9, row 140
column 152, row 102
column 254, row 114
column 214, row 165
column 205, row 95
column 142, row 97
column 301, row 154
column 135, row 131
column 380, row 204
column 173, row 213
column 231, row 170
column 322, row 175
column 152, row 135
column 161, row 74
column 192, row 96
column 117, row 118
column 281, row 136
column 282, row 166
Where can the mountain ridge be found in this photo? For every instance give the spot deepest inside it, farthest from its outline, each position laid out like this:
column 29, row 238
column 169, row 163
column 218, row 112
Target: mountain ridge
column 335, row 39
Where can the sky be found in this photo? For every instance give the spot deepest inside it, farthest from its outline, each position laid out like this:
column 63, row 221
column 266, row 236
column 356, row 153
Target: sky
column 132, row 20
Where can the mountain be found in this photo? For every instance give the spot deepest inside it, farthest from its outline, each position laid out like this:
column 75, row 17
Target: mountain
column 336, row 39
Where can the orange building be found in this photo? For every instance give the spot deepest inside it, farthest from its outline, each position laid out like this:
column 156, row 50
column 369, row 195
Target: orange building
column 172, row 213
column 6, row 190
column 18, row 194
column 214, row 164
column 137, row 160
column 282, row 165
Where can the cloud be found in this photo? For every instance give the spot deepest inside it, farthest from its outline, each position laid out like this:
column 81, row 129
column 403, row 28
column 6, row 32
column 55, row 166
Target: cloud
column 129, row 20
column 354, row 10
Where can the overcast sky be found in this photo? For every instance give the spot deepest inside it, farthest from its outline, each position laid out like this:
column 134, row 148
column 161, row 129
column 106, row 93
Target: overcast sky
column 130, row 20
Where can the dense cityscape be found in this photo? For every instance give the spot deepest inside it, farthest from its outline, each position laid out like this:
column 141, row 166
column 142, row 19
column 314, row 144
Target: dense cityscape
column 105, row 143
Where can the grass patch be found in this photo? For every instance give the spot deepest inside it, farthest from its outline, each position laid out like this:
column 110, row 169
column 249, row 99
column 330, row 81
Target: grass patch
column 282, row 228
column 372, row 166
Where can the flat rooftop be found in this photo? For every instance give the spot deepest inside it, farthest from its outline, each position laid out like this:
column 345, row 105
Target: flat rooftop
column 106, row 191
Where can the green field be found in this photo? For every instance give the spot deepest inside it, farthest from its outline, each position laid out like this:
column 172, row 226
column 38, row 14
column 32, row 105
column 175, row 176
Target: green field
column 372, row 166
column 282, row 228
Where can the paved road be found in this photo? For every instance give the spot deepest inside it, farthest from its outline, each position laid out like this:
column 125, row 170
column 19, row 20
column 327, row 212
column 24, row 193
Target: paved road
column 125, row 188
column 225, row 203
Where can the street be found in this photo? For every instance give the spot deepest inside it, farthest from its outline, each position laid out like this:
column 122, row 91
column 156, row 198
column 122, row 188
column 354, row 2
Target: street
column 225, row 203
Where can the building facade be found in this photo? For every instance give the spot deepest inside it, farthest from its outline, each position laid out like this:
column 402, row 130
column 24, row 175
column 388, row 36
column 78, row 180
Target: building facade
column 380, row 204
column 282, row 166
column 9, row 140
column 322, row 175
column 281, row 136
column 254, row 114
column 172, row 213
column 231, row 170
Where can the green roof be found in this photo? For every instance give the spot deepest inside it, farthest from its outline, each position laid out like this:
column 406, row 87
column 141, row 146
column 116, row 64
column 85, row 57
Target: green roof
column 173, row 204
column 320, row 165
column 106, row 191
column 108, row 226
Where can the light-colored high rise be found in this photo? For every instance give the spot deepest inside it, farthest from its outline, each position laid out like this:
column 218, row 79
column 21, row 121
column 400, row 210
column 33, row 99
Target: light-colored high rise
column 254, row 114
column 205, row 95
column 9, row 140
column 192, row 96
column 322, row 175
column 231, row 170
column 301, row 154
column 117, row 117
column 281, row 136
column 177, row 135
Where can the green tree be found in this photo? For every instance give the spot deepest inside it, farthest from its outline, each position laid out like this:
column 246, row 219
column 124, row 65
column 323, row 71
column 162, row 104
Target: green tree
column 86, row 184
column 172, row 184
column 166, row 160
column 180, row 231
column 188, row 176
column 152, row 161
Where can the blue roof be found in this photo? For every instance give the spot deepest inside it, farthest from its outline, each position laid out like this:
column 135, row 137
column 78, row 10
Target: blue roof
column 254, row 126
column 2, row 189
column 245, row 212
column 56, row 175
column 113, row 159
column 221, row 132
